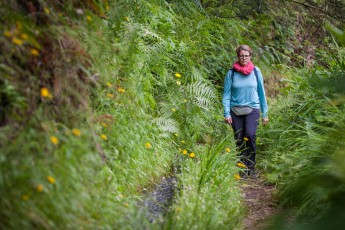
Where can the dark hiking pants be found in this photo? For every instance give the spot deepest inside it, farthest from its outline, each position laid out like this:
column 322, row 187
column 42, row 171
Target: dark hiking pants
column 245, row 127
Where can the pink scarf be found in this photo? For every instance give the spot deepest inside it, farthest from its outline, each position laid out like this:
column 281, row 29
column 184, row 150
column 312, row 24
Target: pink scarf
column 247, row 69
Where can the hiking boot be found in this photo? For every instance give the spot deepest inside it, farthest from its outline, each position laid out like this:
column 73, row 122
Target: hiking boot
column 253, row 174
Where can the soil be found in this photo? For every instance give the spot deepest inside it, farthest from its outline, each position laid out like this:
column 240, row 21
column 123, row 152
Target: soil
column 260, row 202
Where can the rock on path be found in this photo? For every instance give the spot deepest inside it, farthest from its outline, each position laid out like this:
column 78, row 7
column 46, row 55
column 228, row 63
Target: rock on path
column 157, row 203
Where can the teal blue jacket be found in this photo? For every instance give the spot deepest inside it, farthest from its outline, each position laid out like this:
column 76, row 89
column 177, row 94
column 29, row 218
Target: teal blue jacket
column 244, row 90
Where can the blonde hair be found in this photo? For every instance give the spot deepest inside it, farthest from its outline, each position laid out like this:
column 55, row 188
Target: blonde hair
column 243, row 47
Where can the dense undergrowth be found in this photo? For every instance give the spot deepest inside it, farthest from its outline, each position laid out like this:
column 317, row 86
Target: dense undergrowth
column 100, row 99
column 303, row 148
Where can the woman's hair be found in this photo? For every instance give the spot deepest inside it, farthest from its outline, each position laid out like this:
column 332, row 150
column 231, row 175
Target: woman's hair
column 243, row 47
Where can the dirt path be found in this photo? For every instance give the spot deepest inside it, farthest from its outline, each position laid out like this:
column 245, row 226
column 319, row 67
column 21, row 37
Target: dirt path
column 260, row 203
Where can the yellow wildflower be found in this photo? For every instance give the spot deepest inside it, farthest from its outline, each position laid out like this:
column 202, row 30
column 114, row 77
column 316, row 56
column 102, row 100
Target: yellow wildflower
column 185, row 100
column 107, row 7
column 109, row 95
column 34, row 52
column 184, row 152
column 192, row 155
column 45, row 93
column 176, row 134
column 17, row 41
column 237, row 176
column 51, row 179
column 46, row 10
column 179, row 149
column 183, row 142
column 7, row 33
column 39, row 188
column 178, row 82
column 245, row 139
column 227, row 150
column 24, row 36
column 148, row 145
column 89, row 18
column 121, row 90
column 177, row 75
column 239, row 164
column 104, row 137
column 109, row 84
column 25, row 197
column 76, row 132
column 173, row 109
column 178, row 209
column 104, row 125
column 54, row 140
column 127, row 19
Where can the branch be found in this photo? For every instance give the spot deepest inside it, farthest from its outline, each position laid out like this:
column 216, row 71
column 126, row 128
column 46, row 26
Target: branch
column 306, row 5
column 318, row 9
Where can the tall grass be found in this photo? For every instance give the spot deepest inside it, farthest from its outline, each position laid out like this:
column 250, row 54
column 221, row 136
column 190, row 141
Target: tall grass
column 305, row 159
column 101, row 98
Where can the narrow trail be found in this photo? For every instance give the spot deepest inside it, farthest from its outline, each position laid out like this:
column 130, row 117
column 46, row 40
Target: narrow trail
column 260, row 202
column 257, row 194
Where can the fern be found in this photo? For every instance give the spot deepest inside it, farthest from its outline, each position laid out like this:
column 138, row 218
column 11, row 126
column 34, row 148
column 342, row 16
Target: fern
column 167, row 125
column 202, row 94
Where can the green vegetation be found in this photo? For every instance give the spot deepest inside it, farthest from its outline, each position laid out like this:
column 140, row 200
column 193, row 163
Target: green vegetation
column 100, row 99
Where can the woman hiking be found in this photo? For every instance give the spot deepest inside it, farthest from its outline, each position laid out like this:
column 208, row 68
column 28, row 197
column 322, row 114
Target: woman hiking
column 243, row 99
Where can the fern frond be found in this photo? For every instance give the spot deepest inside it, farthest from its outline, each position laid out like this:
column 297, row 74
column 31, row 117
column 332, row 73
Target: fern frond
column 196, row 75
column 202, row 94
column 199, row 5
column 167, row 125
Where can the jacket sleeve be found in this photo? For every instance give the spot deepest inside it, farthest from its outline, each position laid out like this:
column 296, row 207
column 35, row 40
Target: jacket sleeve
column 262, row 95
column 227, row 94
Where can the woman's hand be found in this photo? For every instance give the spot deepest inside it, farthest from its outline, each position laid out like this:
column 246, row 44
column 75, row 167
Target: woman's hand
column 265, row 121
column 228, row 120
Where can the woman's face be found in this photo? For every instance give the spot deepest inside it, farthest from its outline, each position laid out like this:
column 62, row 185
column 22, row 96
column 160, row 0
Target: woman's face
column 243, row 57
